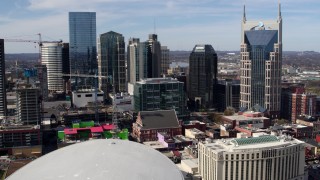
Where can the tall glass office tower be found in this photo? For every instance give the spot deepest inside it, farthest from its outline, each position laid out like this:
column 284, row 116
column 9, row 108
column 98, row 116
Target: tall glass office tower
column 261, row 61
column 111, row 61
column 82, row 44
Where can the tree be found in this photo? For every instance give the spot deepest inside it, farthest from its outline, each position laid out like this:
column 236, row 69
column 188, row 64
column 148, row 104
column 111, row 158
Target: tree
column 229, row 111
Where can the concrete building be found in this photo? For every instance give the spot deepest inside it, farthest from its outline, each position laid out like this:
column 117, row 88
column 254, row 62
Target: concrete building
column 135, row 58
column 3, row 101
column 28, row 105
column 102, row 159
column 123, row 102
column 154, row 57
column 264, row 157
column 111, row 61
column 51, row 56
column 261, row 62
column 83, row 46
column 149, row 123
column 159, row 93
column 202, row 74
column 82, row 97
column 43, row 80
column 165, row 56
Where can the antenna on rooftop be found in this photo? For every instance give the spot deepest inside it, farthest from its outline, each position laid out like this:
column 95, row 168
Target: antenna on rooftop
column 154, row 25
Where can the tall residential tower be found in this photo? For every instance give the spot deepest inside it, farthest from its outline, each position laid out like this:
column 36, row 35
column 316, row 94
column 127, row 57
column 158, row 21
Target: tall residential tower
column 51, row 56
column 261, row 57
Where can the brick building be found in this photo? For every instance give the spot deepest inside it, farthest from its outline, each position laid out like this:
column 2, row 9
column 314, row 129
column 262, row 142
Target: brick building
column 149, row 123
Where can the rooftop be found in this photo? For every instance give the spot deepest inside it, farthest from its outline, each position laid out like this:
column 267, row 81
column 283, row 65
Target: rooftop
column 252, row 143
column 254, row 140
column 159, row 119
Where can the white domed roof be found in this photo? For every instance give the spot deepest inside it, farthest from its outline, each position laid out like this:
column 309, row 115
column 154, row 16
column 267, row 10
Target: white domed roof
column 101, row 159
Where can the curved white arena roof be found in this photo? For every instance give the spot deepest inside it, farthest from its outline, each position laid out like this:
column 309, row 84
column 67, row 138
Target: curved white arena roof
column 101, row 159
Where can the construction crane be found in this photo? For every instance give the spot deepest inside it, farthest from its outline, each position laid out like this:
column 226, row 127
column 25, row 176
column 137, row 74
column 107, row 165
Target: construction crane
column 39, row 42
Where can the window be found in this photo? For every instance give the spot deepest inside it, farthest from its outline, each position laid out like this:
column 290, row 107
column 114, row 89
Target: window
column 88, row 95
column 79, row 95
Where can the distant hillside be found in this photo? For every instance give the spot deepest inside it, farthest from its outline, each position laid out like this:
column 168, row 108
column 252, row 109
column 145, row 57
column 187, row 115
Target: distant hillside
column 22, row 57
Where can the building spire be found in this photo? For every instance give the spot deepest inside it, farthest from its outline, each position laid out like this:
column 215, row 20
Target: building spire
column 244, row 13
column 279, row 10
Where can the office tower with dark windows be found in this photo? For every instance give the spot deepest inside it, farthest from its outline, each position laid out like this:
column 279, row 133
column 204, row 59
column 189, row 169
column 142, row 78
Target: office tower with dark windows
column 3, row 101
column 154, row 57
column 51, row 56
column 227, row 94
column 66, row 66
column 111, row 61
column 202, row 75
column 82, row 45
column 261, row 61
column 164, row 60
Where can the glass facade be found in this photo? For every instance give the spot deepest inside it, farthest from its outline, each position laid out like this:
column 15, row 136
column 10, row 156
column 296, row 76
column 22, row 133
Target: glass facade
column 159, row 94
column 260, row 44
column 111, row 60
column 202, row 74
column 82, row 43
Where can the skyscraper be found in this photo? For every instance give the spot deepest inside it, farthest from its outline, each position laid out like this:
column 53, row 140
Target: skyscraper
column 3, row 102
column 261, row 57
column 164, row 60
column 51, row 56
column 154, row 57
column 202, row 74
column 134, row 71
column 82, row 43
column 111, row 61
column 143, row 60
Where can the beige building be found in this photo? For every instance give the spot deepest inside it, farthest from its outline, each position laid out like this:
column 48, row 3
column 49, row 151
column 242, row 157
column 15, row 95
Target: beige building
column 260, row 64
column 264, row 157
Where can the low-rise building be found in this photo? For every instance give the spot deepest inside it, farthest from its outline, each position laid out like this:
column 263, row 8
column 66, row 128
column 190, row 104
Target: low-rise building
column 252, row 119
column 149, row 123
column 21, row 140
column 194, row 133
column 82, row 97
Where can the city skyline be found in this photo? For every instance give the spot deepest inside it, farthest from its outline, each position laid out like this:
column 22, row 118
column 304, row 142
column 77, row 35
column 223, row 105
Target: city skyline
column 179, row 24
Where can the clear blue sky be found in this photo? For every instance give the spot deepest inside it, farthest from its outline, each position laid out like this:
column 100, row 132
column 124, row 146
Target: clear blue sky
column 180, row 24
